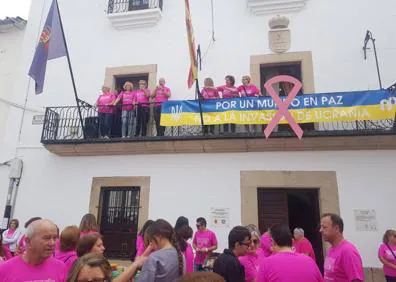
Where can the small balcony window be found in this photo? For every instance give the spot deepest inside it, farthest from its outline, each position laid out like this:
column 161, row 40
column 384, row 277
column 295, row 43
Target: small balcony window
column 122, row 6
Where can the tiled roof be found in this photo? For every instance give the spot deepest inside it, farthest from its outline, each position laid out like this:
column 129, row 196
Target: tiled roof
column 12, row 24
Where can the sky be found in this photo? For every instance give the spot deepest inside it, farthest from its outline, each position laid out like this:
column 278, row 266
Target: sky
column 13, row 8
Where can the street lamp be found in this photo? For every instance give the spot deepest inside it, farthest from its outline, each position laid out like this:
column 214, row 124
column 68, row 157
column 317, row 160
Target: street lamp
column 369, row 36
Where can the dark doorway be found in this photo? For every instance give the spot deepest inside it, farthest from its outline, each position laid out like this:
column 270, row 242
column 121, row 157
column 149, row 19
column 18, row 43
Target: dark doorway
column 268, row 71
column 119, row 86
column 119, row 214
column 295, row 207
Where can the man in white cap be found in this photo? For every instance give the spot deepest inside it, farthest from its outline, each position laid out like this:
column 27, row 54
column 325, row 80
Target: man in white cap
column 37, row 263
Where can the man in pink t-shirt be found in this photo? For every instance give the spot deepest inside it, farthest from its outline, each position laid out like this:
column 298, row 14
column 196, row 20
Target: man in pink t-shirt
column 204, row 243
column 301, row 244
column 343, row 262
column 285, row 265
column 37, row 263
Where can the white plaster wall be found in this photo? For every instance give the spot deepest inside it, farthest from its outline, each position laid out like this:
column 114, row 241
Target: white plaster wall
column 189, row 185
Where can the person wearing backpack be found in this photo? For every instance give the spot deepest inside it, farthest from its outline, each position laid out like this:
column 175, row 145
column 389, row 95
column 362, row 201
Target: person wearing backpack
column 387, row 255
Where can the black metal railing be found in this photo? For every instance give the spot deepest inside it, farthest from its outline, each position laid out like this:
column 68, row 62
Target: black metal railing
column 62, row 125
column 121, row 6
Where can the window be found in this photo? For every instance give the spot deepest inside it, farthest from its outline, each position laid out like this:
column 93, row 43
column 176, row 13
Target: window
column 120, row 6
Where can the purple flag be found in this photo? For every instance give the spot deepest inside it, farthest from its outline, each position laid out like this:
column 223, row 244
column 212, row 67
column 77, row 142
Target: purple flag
column 51, row 46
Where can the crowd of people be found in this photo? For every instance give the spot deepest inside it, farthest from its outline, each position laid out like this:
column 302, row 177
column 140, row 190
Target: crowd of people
column 165, row 253
column 135, row 105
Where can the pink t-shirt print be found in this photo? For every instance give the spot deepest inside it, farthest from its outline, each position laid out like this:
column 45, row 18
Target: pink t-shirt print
column 17, row 270
column 386, row 254
column 203, row 239
column 227, row 94
column 343, row 264
column 141, row 98
column 210, row 93
column 161, row 95
column 105, row 102
column 127, row 98
column 250, row 90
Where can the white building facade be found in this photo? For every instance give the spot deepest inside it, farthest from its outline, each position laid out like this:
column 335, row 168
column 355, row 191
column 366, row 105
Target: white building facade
column 350, row 174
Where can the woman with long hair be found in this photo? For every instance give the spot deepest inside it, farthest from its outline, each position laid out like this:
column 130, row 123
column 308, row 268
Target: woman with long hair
column 88, row 225
column 91, row 243
column 387, row 255
column 10, row 237
column 140, row 245
column 166, row 263
column 183, row 234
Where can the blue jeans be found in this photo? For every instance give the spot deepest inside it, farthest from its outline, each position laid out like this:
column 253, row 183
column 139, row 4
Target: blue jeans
column 128, row 122
column 105, row 122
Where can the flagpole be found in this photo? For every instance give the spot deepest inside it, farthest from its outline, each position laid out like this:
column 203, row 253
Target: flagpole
column 71, row 71
column 198, row 94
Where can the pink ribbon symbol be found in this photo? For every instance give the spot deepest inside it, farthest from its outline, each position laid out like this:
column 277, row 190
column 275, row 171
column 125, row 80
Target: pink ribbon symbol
column 283, row 106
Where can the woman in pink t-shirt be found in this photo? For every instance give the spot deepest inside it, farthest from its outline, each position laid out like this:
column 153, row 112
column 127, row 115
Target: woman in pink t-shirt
column 128, row 101
column 10, row 238
column 248, row 89
column 68, row 243
column 250, row 260
column 387, row 255
column 143, row 108
column 209, row 92
column 105, row 104
column 160, row 95
column 140, row 244
column 229, row 91
column 88, row 225
column 91, row 243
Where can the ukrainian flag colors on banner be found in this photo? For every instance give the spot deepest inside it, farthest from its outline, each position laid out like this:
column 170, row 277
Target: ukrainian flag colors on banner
column 329, row 107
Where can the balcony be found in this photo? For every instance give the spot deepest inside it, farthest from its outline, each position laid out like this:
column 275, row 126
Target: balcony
column 125, row 14
column 63, row 135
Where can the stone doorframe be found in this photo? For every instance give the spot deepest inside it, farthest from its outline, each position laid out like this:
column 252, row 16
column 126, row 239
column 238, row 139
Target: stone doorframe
column 143, row 182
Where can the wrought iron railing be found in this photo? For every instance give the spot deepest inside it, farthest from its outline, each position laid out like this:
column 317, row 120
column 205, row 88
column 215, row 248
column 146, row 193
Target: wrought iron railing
column 121, row 6
column 62, row 125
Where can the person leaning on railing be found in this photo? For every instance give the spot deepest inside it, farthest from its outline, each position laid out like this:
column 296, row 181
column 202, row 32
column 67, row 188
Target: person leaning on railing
column 143, row 108
column 160, row 95
column 229, row 91
column 248, row 89
column 105, row 111
column 128, row 100
column 209, row 92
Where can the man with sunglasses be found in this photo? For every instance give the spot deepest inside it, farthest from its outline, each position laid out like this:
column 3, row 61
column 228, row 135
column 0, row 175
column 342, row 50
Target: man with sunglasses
column 227, row 265
column 204, row 243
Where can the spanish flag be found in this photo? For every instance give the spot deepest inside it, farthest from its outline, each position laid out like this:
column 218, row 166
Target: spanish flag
column 193, row 73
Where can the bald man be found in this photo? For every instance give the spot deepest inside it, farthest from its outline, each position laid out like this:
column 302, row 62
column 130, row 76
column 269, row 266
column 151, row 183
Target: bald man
column 37, row 263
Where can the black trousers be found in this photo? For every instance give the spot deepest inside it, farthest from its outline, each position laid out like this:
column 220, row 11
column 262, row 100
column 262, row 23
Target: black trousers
column 157, row 118
column 229, row 128
column 143, row 116
column 390, row 279
column 209, row 129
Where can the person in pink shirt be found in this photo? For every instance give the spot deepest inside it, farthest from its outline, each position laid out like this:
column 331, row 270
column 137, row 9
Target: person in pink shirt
column 209, row 92
column 140, row 245
column 285, row 265
column 229, row 91
column 11, row 237
column 160, row 95
column 204, row 243
column 343, row 262
column 37, row 263
column 91, row 243
column 143, row 108
column 128, row 101
column 266, row 244
column 183, row 234
column 21, row 246
column 301, row 244
column 248, row 89
column 68, row 243
column 88, row 225
column 387, row 255
column 105, row 104
column 250, row 260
